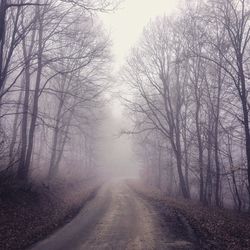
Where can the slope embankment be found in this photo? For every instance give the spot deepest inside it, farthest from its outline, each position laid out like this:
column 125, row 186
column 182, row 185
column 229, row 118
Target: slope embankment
column 30, row 215
column 214, row 228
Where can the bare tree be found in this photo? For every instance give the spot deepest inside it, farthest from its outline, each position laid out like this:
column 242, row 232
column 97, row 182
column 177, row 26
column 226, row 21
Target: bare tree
column 156, row 71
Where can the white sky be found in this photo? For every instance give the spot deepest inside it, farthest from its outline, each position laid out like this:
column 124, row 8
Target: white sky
column 126, row 24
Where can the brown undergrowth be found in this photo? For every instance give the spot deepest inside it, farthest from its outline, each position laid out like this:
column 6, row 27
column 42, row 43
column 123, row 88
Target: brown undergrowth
column 29, row 215
column 214, row 228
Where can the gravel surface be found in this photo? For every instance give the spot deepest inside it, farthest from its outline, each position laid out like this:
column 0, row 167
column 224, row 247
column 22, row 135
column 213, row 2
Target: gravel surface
column 118, row 218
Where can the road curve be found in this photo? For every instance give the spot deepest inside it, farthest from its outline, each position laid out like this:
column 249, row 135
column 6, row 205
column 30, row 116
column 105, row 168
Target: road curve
column 117, row 218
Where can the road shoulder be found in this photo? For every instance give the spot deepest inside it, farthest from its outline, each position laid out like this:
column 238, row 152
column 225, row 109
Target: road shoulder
column 210, row 228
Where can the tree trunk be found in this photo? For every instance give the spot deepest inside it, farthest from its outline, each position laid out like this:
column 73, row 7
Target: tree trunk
column 36, row 95
column 54, row 170
column 3, row 9
column 159, row 167
column 200, row 150
column 208, row 186
column 216, row 156
column 55, row 141
column 245, row 116
column 186, row 158
column 22, row 170
column 15, row 129
column 22, row 173
column 178, row 157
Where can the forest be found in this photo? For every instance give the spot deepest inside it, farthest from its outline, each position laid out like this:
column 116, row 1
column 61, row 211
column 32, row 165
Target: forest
column 184, row 91
column 54, row 63
column 188, row 93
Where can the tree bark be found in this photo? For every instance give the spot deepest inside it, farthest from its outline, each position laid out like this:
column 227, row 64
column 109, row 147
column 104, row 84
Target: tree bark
column 216, row 143
column 22, row 173
column 22, row 170
column 55, row 141
column 3, row 10
column 15, row 129
column 36, row 93
column 54, row 171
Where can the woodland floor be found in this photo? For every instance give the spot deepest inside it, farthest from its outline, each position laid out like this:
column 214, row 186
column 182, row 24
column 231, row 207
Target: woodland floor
column 27, row 216
column 121, row 215
column 214, row 228
column 120, row 219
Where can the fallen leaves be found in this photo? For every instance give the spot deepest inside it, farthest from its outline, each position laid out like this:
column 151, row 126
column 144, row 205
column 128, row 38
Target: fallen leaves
column 215, row 228
column 29, row 216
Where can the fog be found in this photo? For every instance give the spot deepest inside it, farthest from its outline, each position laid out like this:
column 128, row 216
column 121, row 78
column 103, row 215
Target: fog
column 117, row 151
column 126, row 123
column 155, row 89
column 124, row 32
column 116, row 155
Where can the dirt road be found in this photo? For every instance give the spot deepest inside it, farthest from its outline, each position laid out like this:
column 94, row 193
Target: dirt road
column 117, row 219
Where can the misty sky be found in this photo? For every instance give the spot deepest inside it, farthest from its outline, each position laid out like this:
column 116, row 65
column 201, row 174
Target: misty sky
column 125, row 26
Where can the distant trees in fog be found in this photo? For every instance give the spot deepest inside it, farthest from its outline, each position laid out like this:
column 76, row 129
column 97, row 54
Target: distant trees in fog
column 54, row 58
column 189, row 81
